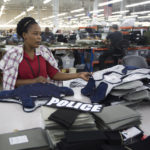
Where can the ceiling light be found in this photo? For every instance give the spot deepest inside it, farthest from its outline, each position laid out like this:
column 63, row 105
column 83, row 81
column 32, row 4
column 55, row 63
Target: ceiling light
column 80, row 15
column 10, row 21
column 8, row 26
column 138, row 4
column 1, row 10
column 2, row 7
column 77, row 10
column 48, row 17
column 45, row 18
column 143, row 17
column 112, row 19
column 6, row 1
column 46, row 1
column 23, row 13
column 62, row 14
column 96, row 11
column 120, row 12
column 110, row 2
column 74, row 19
column 30, row 8
column 140, row 12
column 86, row 17
column 51, row 17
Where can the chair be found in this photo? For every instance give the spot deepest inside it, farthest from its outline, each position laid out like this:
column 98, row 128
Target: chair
column 133, row 60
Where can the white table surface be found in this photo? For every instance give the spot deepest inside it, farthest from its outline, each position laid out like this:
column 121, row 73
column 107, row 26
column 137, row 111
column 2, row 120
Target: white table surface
column 12, row 116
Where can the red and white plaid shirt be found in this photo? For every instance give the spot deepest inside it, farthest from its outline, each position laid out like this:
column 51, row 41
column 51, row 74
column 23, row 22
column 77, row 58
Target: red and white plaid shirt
column 11, row 60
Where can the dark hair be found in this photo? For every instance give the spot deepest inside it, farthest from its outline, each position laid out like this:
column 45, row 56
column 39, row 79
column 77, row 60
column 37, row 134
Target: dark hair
column 24, row 24
column 114, row 26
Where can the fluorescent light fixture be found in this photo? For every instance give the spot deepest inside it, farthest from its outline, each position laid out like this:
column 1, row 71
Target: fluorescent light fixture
column 10, row 21
column 45, row 18
column 115, row 22
column 112, row 19
column 30, row 8
column 62, row 14
column 77, row 10
column 48, row 17
column 138, row 4
column 23, row 13
column 96, row 11
column 74, row 19
column 109, row 2
column 2, row 7
column 1, row 10
column 86, row 17
column 6, row 1
column 51, row 17
column 46, row 1
column 120, row 12
column 8, row 26
column 78, row 15
column 144, row 17
column 140, row 12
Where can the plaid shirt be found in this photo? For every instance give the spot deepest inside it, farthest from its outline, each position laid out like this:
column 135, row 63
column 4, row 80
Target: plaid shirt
column 11, row 60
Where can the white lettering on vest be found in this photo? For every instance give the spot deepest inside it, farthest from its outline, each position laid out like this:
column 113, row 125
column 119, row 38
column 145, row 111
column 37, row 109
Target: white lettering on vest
column 53, row 101
column 96, row 108
column 86, row 107
column 77, row 105
column 62, row 103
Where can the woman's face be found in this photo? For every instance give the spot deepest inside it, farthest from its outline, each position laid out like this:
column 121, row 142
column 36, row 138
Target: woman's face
column 33, row 36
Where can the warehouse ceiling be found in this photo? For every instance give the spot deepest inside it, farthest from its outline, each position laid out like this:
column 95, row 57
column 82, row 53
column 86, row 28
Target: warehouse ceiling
column 15, row 7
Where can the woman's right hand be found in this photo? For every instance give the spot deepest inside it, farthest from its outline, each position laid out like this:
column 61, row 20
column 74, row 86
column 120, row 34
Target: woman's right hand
column 40, row 79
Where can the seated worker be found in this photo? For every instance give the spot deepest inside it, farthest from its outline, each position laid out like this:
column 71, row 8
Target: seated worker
column 113, row 38
column 31, row 62
column 48, row 36
column 14, row 39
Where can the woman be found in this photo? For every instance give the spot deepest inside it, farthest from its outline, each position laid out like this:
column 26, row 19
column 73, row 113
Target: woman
column 31, row 62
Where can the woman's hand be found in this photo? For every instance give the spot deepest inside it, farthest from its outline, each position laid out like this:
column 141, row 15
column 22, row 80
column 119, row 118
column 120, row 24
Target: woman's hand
column 84, row 75
column 40, row 79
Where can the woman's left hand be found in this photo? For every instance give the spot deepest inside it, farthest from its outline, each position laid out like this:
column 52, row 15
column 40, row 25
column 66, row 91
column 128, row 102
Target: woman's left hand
column 84, row 75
